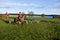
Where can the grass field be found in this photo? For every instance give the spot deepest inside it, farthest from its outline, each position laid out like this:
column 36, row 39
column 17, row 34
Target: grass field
column 35, row 31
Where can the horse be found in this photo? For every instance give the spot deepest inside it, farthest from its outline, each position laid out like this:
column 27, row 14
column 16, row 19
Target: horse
column 16, row 20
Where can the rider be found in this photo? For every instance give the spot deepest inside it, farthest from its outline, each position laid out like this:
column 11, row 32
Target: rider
column 6, row 15
column 19, row 15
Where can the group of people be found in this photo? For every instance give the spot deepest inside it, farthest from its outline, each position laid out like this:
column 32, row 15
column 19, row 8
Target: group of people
column 6, row 15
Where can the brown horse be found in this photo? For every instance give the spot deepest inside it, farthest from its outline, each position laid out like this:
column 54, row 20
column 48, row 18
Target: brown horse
column 16, row 20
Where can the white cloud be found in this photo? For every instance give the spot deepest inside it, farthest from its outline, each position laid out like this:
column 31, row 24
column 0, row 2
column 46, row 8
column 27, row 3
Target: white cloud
column 19, row 4
column 13, row 5
column 9, row 6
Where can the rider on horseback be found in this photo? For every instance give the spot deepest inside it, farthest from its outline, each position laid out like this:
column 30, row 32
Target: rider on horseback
column 19, row 16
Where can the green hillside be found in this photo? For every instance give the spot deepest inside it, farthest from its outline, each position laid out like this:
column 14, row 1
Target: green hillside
column 44, row 30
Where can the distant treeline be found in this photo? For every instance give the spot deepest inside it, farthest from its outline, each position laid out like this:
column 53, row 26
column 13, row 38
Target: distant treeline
column 15, row 14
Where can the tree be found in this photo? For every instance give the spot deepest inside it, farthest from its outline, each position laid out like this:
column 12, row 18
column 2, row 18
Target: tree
column 42, row 15
column 31, row 14
column 23, row 13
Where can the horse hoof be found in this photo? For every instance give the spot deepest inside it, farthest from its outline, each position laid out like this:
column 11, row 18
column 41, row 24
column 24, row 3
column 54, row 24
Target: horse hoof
column 19, row 22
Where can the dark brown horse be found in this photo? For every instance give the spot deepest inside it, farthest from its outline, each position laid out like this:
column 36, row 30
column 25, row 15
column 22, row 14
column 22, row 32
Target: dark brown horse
column 16, row 20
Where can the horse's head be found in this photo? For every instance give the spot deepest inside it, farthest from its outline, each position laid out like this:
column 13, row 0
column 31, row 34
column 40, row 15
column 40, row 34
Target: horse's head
column 23, row 18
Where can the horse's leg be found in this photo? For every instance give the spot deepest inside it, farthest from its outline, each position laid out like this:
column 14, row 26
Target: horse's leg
column 16, row 20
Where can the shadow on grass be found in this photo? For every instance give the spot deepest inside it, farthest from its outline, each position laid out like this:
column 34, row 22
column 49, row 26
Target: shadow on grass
column 6, row 21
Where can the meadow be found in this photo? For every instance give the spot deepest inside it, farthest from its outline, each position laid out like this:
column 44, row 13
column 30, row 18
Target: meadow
column 36, row 31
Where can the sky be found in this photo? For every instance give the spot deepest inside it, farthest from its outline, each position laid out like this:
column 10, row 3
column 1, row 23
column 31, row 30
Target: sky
column 37, row 6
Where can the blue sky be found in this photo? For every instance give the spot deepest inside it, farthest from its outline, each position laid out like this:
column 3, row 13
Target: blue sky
column 37, row 6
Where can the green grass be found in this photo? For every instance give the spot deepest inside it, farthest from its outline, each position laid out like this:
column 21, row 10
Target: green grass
column 34, row 31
